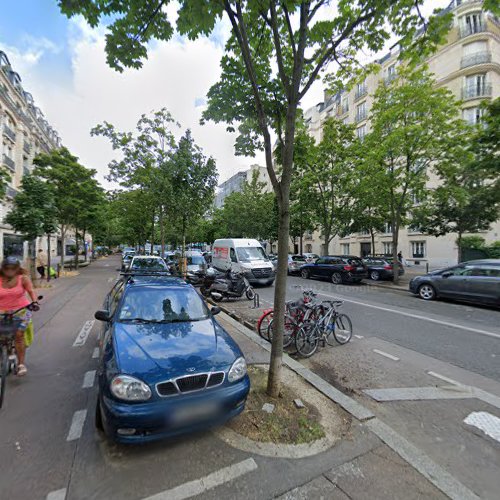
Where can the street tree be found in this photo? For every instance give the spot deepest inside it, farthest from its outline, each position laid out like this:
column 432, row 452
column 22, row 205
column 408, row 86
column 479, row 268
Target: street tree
column 33, row 214
column 467, row 199
column 193, row 178
column 275, row 53
column 415, row 127
column 329, row 173
column 144, row 164
column 70, row 183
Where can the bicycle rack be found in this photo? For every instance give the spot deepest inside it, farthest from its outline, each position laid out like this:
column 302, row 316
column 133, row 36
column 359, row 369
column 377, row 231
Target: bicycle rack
column 256, row 302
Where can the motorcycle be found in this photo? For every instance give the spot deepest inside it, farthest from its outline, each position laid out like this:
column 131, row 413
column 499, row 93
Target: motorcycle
column 230, row 285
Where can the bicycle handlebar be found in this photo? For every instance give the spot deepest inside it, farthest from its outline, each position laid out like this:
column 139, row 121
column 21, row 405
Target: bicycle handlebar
column 33, row 306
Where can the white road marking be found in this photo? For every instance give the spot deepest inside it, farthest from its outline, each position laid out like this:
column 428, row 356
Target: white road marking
column 359, row 336
column 442, row 377
column 75, row 431
column 199, row 486
column 57, row 495
column 84, row 333
column 386, row 354
column 418, row 393
column 417, row 316
column 88, row 379
column 95, row 354
column 486, row 422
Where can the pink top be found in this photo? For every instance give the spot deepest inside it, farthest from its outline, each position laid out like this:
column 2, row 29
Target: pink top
column 13, row 298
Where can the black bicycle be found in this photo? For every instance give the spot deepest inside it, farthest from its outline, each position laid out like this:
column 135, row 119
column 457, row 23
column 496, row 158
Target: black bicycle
column 9, row 325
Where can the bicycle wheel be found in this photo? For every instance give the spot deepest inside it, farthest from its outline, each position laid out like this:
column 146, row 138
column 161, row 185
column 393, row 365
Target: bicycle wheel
column 307, row 340
column 288, row 334
column 4, row 368
column 263, row 324
column 342, row 330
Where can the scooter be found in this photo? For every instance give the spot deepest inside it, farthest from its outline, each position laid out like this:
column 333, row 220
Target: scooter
column 228, row 286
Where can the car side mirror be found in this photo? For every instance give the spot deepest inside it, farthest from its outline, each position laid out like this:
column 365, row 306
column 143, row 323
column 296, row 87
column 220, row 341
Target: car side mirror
column 102, row 315
column 215, row 310
column 447, row 274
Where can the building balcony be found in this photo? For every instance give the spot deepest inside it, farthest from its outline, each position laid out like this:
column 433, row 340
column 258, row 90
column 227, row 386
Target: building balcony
column 474, row 59
column 471, row 30
column 360, row 92
column 9, row 163
column 8, row 132
column 27, row 147
column 477, row 91
column 361, row 116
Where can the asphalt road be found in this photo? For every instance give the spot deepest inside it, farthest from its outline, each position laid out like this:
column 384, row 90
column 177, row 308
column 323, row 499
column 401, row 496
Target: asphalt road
column 464, row 335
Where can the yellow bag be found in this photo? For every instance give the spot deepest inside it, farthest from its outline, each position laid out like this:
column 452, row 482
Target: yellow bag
column 29, row 334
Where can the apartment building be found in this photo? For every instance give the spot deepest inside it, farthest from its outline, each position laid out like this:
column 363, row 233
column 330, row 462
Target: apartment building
column 235, row 183
column 24, row 133
column 469, row 65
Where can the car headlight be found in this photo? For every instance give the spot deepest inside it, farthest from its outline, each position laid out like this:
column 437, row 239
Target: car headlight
column 238, row 370
column 129, row 388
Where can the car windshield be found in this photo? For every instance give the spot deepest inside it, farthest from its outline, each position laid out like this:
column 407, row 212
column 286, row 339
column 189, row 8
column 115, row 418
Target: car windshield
column 155, row 304
column 248, row 254
column 298, row 258
column 148, row 264
column 196, row 260
column 355, row 262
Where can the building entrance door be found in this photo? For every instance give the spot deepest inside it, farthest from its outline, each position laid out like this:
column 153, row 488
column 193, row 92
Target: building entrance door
column 366, row 249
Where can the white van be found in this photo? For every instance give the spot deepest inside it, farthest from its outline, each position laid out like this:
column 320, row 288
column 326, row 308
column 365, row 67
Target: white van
column 245, row 256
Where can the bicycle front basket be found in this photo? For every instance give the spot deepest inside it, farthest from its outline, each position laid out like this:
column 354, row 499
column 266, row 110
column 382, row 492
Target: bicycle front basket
column 8, row 327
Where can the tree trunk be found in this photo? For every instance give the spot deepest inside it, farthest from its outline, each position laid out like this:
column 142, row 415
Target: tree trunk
column 275, row 363
column 63, row 246
column 153, row 233
column 301, row 244
column 77, row 249
column 84, row 245
column 459, row 243
column 326, row 244
column 372, row 233
column 162, row 233
column 48, row 258
column 32, row 259
column 395, row 261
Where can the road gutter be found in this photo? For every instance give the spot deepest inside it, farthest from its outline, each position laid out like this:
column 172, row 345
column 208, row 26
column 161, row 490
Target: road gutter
column 434, row 473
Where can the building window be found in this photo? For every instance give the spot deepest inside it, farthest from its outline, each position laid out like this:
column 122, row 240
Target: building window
column 361, row 132
column 309, row 248
column 391, row 73
column 387, row 247
column 361, row 112
column 418, row 249
column 345, row 248
column 364, row 232
column 361, row 90
column 476, row 86
column 13, row 245
column 471, row 23
column 388, row 228
column 472, row 115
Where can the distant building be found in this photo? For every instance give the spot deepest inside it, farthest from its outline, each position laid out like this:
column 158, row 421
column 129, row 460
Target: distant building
column 469, row 65
column 235, row 183
column 24, row 133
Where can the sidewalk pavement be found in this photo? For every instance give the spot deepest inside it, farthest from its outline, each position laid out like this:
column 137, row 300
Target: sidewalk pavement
column 389, row 466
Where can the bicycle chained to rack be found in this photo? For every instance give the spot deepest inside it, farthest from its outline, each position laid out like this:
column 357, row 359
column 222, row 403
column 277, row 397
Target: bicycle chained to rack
column 308, row 322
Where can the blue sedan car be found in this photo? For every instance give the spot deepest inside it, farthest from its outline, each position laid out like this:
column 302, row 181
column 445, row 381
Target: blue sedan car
column 166, row 367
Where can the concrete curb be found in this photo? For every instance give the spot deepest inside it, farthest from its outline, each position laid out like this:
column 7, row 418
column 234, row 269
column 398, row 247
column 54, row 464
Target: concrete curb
column 391, row 288
column 433, row 472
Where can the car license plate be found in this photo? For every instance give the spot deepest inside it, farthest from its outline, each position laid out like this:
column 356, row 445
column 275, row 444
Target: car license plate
column 360, row 269
column 193, row 413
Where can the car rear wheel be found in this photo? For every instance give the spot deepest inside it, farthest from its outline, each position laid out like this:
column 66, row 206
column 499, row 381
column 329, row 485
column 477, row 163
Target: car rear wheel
column 427, row 292
column 305, row 274
column 336, row 278
column 375, row 275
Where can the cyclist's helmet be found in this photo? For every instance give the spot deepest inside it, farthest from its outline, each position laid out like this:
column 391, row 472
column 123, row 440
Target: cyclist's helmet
column 11, row 261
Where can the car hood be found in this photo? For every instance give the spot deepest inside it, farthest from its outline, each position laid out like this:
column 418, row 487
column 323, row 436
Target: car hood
column 156, row 352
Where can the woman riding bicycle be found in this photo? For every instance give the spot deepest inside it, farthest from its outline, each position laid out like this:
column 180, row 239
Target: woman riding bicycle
column 14, row 286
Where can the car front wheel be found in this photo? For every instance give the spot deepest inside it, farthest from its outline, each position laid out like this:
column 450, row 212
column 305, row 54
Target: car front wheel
column 305, row 274
column 375, row 275
column 427, row 292
column 336, row 278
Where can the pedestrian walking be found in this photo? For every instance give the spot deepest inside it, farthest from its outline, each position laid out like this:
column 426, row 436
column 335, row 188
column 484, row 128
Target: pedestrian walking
column 41, row 263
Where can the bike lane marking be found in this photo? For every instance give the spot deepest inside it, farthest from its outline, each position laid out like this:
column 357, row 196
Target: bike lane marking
column 199, row 486
column 88, row 379
column 84, row 333
column 75, row 431
column 95, row 353
column 416, row 316
column 486, row 422
column 386, row 354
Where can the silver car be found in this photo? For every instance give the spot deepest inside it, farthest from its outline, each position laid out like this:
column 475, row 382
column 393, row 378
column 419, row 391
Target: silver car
column 473, row 281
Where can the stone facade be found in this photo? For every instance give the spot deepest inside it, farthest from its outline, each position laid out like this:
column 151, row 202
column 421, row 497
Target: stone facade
column 469, row 65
